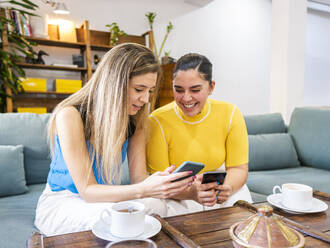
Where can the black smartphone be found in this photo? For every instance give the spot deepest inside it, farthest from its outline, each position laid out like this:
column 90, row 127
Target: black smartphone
column 189, row 166
column 214, row 176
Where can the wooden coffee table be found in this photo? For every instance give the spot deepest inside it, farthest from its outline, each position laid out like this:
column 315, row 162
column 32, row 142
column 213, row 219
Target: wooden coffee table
column 207, row 229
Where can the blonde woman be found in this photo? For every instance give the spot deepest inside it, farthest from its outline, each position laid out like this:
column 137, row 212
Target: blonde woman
column 90, row 133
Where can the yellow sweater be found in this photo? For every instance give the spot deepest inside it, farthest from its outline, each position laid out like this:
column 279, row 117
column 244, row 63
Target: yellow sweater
column 214, row 136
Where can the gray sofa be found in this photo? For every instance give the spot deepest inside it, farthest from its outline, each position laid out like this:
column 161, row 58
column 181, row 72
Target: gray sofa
column 299, row 153
column 24, row 166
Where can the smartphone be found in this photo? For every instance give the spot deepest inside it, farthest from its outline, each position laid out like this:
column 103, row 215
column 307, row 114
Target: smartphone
column 214, row 176
column 188, row 166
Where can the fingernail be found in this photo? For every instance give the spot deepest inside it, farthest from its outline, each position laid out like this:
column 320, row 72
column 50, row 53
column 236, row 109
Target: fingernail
column 190, row 172
column 194, row 177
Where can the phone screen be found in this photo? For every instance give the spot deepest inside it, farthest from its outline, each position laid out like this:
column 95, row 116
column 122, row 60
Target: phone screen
column 209, row 177
column 188, row 166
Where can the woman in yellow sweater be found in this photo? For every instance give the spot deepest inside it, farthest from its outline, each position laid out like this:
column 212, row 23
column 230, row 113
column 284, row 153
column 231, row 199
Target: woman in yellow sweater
column 196, row 128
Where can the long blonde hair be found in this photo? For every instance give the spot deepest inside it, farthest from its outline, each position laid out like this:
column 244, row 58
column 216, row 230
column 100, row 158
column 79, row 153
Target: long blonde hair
column 103, row 101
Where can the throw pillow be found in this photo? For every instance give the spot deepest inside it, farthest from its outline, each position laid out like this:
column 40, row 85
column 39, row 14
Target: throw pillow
column 12, row 175
column 265, row 123
column 272, row 151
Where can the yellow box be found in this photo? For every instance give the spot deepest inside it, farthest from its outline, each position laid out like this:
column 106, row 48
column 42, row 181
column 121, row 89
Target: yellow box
column 68, row 85
column 34, row 84
column 32, row 110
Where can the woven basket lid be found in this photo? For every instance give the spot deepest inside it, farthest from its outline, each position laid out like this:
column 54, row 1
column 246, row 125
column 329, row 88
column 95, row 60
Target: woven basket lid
column 263, row 229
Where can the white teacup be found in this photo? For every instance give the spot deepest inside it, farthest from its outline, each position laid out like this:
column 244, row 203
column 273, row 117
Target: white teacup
column 127, row 219
column 296, row 196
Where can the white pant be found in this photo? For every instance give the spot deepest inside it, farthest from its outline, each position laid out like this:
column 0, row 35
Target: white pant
column 65, row 212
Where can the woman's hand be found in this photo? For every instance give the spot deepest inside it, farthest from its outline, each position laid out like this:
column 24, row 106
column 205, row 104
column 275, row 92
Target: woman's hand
column 235, row 179
column 205, row 194
column 161, row 185
column 224, row 192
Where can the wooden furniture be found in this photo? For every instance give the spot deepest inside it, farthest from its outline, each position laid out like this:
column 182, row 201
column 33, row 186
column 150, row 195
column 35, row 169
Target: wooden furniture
column 87, row 40
column 207, row 229
column 165, row 94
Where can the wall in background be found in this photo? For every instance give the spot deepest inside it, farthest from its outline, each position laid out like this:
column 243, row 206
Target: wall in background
column 317, row 74
column 235, row 36
column 129, row 14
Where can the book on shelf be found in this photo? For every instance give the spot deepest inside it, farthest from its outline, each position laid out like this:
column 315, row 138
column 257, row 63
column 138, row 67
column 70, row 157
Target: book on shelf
column 36, row 110
column 34, row 84
column 21, row 23
column 67, row 85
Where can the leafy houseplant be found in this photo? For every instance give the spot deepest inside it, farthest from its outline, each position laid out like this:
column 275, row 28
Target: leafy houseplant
column 151, row 17
column 115, row 32
column 9, row 70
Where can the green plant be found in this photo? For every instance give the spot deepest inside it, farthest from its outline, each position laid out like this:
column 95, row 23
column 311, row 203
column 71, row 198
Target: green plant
column 115, row 33
column 10, row 72
column 151, row 18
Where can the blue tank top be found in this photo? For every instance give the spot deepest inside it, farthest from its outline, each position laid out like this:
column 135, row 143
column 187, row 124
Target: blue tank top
column 59, row 177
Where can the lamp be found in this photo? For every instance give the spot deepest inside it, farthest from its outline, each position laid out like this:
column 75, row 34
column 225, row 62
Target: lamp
column 59, row 7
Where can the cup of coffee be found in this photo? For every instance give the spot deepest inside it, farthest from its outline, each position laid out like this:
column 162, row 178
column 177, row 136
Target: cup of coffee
column 127, row 219
column 296, row 196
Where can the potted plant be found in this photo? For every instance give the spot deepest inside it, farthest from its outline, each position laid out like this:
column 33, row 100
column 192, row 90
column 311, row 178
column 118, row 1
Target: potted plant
column 166, row 59
column 115, row 32
column 151, row 17
column 10, row 72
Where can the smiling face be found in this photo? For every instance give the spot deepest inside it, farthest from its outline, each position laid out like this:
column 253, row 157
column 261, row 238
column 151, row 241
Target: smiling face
column 140, row 88
column 191, row 91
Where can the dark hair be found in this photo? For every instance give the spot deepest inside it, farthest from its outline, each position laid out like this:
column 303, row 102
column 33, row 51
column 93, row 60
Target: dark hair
column 197, row 62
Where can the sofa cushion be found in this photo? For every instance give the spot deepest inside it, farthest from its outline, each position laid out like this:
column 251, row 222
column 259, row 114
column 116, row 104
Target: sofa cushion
column 17, row 215
column 310, row 129
column 12, row 176
column 29, row 130
column 265, row 123
column 262, row 182
column 271, row 151
column 256, row 197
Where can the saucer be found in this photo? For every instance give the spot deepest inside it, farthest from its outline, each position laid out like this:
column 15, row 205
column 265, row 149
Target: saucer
column 101, row 230
column 317, row 205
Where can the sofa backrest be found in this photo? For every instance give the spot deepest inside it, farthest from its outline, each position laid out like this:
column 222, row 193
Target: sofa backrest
column 29, row 130
column 270, row 147
column 310, row 129
column 265, row 123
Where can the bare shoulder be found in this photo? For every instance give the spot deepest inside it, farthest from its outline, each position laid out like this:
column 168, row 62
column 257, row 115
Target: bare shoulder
column 69, row 116
column 68, row 112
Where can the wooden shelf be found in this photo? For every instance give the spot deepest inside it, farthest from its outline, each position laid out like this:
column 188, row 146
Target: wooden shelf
column 87, row 40
column 101, row 47
column 43, row 93
column 56, row 43
column 51, row 67
column 49, row 103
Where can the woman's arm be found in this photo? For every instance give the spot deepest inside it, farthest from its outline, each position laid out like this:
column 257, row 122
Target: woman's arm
column 136, row 155
column 70, row 130
column 235, row 179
